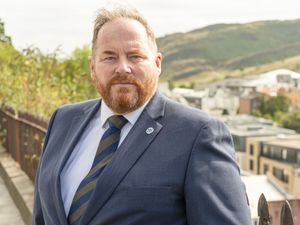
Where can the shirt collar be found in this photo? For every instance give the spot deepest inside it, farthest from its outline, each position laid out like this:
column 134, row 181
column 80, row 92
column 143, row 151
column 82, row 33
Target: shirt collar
column 106, row 112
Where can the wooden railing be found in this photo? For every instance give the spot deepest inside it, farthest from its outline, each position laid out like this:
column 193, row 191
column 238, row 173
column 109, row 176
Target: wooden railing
column 22, row 135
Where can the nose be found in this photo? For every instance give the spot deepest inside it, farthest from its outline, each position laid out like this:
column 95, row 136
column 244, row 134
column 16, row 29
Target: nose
column 123, row 67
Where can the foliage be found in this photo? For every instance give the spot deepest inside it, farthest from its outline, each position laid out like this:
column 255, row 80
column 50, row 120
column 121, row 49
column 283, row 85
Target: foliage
column 3, row 37
column 276, row 108
column 292, row 120
column 273, row 106
column 37, row 82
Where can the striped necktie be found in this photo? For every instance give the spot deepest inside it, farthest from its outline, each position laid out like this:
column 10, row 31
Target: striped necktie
column 107, row 146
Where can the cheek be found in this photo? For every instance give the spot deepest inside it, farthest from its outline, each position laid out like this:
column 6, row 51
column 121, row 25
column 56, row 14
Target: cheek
column 143, row 73
column 101, row 75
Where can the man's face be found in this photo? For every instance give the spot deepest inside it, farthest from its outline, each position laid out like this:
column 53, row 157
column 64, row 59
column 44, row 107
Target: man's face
column 125, row 66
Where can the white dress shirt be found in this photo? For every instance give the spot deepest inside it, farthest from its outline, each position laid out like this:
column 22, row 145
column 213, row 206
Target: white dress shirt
column 81, row 160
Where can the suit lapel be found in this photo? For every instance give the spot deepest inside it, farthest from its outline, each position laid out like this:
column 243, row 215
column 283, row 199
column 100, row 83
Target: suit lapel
column 134, row 145
column 78, row 124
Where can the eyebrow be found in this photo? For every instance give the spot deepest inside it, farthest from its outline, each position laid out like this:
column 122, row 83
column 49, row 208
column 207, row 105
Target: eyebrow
column 132, row 50
column 136, row 51
column 108, row 52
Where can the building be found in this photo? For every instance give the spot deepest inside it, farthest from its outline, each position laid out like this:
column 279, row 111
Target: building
column 189, row 96
column 243, row 127
column 278, row 157
column 243, row 95
column 273, row 194
column 222, row 101
column 275, row 210
column 270, row 82
column 249, row 103
column 266, row 187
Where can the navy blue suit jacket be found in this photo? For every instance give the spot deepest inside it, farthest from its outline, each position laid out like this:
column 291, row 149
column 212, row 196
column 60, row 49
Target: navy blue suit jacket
column 182, row 173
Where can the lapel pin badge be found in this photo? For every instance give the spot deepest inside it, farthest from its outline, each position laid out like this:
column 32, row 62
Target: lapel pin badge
column 149, row 130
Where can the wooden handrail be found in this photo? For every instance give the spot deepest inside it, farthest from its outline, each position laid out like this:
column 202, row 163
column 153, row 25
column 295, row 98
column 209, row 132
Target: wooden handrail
column 24, row 121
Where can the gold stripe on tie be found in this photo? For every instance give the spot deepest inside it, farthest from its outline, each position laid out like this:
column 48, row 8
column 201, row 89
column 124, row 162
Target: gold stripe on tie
column 92, row 184
column 85, row 189
column 100, row 164
column 117, row 122
column 77, row 213
column 107, row 146
column 107, row 142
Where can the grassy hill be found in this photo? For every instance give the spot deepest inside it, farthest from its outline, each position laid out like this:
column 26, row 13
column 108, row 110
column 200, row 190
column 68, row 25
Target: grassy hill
column 223, row 50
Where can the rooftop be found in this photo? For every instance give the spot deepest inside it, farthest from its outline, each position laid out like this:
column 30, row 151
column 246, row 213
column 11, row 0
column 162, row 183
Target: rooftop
column 265, row 79
column 255, row 186
column 246, row 125
column 256, row 130
column 289, row 142
column 271, row 78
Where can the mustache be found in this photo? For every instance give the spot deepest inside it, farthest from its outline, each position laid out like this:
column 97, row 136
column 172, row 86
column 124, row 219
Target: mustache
column 124, row 79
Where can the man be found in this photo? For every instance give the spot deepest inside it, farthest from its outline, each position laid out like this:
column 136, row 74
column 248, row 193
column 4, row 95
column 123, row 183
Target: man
column 155, row 163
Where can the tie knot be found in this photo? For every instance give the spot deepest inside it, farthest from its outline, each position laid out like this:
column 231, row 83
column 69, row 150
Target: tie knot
column 117, row 121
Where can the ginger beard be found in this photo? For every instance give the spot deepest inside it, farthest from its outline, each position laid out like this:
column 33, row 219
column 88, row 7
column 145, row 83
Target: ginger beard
column 126, row 98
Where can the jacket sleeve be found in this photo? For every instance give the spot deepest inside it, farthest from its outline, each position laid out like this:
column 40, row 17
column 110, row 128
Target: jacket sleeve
column 37, row 215
column 214, row 192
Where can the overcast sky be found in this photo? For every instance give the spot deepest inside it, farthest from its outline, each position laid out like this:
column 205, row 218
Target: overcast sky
column 47, row 24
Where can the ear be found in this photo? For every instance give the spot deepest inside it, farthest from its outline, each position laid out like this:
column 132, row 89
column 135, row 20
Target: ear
column 92, row 66
column 158, row 60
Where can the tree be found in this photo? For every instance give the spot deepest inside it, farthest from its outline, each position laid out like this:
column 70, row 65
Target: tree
column 8, row 54
column 37, row 82
column 3, row 37
column 292, row 120
column 273, row 105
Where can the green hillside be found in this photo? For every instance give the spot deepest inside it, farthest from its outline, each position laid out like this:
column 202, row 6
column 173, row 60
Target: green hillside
column 37, row 82
column 222, row 50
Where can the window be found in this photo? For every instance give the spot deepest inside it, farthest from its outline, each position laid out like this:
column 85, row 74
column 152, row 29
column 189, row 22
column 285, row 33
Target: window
column 284, row 154
column 251, row 149
column 265, row 150
column 277, row 173
column 251, row 167
column 272, row 152
column 237, row 143
column 298, row 158
column 277, row 153
column 285, row 176
column 266, row 168
column 281, row 174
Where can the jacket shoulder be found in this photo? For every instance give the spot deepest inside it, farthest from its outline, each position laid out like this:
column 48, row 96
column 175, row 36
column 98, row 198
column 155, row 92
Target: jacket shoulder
column 79, row 106
column 184, row 112
column 192, row 119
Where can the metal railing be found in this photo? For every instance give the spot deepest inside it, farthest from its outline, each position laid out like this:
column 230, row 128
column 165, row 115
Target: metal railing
column 22, row 135
column 286, row 216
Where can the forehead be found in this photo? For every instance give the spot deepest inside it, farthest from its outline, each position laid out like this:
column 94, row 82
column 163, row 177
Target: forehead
column 121, row 32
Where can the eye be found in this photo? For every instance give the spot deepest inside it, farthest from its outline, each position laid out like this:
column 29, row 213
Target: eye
column 109, row 58
column 136, row 57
